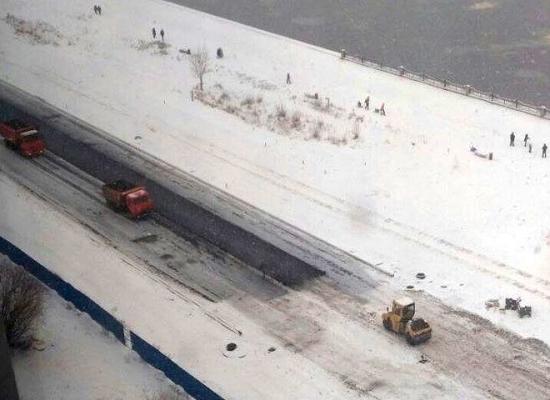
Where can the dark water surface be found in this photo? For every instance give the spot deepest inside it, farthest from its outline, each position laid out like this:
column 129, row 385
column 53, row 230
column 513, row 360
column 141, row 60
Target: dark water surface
column 494, row 45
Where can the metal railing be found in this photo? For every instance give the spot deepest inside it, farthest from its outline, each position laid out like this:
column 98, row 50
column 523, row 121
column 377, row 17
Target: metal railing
column 466, row 90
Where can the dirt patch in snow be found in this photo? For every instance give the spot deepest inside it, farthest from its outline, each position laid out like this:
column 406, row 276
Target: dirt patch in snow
column 482, row 324
column 36, row 32
column 155, row 46
column 281, row 120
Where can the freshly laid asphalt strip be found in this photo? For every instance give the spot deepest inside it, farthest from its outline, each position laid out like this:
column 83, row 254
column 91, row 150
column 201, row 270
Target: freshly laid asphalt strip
column 108, row 159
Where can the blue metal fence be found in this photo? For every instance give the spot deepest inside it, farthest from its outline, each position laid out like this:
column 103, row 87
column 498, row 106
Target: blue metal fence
column 65, row 290
column 176, row 374
column 147, row 352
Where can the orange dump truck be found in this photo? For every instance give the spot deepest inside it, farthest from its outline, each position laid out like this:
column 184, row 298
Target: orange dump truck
column 124, row 196
column 22, row 137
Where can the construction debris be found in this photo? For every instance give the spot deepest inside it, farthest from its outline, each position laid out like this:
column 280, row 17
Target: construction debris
column 476, row 152
column 510, row 304
column 492, row 303
column 524, row 311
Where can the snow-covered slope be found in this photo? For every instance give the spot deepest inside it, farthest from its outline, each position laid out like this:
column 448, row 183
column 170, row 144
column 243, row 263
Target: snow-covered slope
column 406, row 188
column 80, row 361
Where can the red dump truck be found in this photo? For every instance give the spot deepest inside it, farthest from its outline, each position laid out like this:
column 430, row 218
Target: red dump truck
column 125, row 196
column 22, row 137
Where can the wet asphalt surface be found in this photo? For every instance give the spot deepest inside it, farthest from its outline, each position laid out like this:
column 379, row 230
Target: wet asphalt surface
column 76, row 143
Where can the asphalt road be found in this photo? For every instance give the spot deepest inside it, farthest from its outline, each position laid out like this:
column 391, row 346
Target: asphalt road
column 107, row 159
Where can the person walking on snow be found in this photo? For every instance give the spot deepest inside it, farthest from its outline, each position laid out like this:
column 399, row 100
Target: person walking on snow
column 525, row 140
column 512, row 138
column 288, row 82
column 544, row 147
column 95, row 9
column 162, row 34
column 382, row 110
column 367, row 101
column 99, row 10
column 154, row 33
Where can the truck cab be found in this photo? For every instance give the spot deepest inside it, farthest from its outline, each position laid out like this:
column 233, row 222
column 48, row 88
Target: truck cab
column 139, row 202
column 22, row 137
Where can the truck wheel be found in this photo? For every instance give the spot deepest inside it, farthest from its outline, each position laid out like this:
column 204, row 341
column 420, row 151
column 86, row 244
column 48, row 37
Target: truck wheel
column 410, row 339
column 386, row 324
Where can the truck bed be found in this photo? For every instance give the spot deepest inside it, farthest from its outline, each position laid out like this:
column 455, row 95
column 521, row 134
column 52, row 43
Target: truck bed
column 119, row 186
column 16, row 129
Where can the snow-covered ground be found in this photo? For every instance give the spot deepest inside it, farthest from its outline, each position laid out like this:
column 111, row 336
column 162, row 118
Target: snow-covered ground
column 82, row 361
column 317, row 342
column 407, row 192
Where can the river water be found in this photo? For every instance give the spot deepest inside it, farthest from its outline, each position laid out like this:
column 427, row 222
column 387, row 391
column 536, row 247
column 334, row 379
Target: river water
column 495, row 45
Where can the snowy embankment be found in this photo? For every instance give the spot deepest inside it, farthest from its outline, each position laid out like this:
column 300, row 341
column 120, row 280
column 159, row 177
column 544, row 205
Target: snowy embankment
column 379, row 187
column 82, row 361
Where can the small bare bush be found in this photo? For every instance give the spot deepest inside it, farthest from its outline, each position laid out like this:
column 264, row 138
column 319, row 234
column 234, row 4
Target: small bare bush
column 281, row 113
column 247, row 101
column 317, row 104
column 317, row 129
column 200, row 65
column 21, row 302
column 223, row 98
column 296, row 120
column 230, row 108
column 338, row 140
column 356, row 130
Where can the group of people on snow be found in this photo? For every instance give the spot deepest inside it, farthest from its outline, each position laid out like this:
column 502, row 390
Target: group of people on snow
column 381, row 110
column 154, row 32
column 97, row 10
column 527, row 143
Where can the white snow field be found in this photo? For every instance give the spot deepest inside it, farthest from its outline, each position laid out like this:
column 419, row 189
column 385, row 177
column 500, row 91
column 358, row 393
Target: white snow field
column 407, row 193
column 81, row 361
